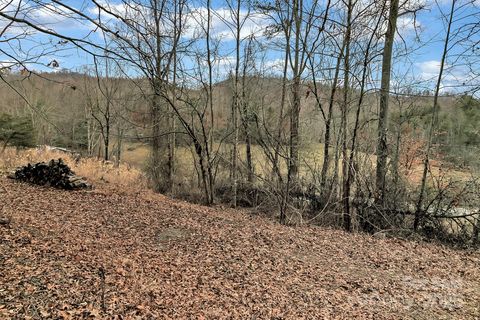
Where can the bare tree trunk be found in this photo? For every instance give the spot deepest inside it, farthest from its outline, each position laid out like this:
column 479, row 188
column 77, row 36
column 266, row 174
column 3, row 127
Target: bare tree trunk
column 172, row 142
column 89, row 130
column 246, row 114
column 236, row 103
column 104, row 85
column 433, row 123
column 347, row 220
column 295, row 110
column 350, row 173
column 235, row 156
column 107, row 132
column 119, row 145
column 248, row 143
column 109, row 97
column 334, row 186
column 5, row 143
column 210, row 71
column 396, row 160
column 276, row 165
column 328, row 124
column 382, row 148
column 158, row 165
column 208, row 141
column 178, row 14
column 283, row 190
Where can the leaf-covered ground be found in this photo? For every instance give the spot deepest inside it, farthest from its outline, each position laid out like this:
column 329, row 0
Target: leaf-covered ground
column 165, row 259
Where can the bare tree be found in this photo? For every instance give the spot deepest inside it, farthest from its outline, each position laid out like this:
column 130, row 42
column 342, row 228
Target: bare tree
column 347, row 220
column 382, row 147
column 434, row 119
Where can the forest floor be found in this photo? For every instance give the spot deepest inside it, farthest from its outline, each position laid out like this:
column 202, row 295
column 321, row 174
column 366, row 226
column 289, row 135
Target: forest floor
column 165, row 259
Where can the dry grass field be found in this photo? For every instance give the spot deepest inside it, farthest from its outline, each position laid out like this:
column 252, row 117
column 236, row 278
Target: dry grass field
column 137, row 155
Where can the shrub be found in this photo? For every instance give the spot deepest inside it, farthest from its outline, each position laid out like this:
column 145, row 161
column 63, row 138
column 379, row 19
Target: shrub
column 16, row 131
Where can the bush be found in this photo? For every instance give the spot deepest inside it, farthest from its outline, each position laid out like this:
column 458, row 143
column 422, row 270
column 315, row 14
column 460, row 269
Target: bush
column 16, row 131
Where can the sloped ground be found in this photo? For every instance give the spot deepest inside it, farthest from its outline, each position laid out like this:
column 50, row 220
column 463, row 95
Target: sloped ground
column 167, row 259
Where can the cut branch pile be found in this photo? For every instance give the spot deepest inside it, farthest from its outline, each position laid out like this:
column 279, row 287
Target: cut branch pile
column 55, row 173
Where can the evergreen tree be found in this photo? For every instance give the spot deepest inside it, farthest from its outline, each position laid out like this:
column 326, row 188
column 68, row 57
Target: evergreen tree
column 16, row 131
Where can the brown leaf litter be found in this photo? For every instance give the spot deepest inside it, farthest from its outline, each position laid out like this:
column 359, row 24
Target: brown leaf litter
column 165, row 259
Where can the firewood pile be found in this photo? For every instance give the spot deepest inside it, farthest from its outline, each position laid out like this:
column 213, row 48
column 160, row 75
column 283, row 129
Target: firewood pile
column 55, row 173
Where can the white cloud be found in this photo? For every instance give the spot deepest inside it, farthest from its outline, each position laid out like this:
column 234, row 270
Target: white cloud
column 195, row 19
column 407, row 24
column 274, row 66
column 46, row 15
column 117, row 9
column 429, row 69
column 453, row 78
column 222, row 20
column 225, row 62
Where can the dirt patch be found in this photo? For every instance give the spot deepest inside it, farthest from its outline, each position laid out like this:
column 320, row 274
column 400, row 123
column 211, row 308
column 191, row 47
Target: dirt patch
column 172, row 234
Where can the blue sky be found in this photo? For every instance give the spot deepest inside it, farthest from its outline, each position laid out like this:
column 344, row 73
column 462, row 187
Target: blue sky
column 422, row 63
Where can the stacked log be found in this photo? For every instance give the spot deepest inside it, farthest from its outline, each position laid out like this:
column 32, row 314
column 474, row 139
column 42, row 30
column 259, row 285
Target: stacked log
column 55, row 173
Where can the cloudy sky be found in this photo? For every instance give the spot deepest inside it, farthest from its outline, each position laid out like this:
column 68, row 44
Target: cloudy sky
column 423, row 34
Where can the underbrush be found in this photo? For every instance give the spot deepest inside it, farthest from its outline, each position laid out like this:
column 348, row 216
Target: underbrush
column 450, row 214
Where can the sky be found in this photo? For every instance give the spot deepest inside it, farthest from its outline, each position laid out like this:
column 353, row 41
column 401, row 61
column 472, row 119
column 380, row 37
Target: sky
column 424, row 35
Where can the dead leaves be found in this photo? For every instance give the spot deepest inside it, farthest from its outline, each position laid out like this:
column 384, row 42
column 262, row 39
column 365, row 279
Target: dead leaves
column 103, row 255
